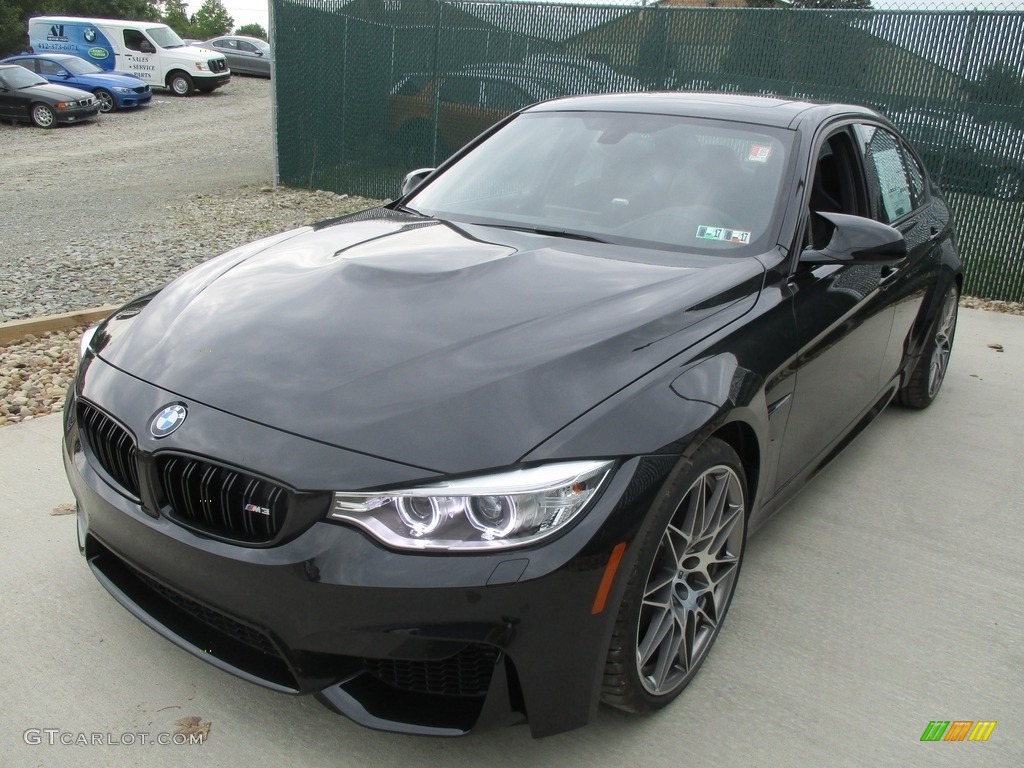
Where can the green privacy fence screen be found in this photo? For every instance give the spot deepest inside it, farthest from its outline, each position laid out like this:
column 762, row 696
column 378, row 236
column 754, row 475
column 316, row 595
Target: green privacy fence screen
column 366, row 90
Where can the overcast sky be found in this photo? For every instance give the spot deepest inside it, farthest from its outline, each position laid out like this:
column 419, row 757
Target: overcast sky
column 242, row 11
column 248, row 11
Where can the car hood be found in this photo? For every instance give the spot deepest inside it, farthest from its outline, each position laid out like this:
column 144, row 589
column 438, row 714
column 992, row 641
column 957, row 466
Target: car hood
column 108, row 79
column 451, row 348
column 55, row 93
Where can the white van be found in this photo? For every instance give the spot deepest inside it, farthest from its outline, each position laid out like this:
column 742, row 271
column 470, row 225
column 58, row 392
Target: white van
column 146, row 49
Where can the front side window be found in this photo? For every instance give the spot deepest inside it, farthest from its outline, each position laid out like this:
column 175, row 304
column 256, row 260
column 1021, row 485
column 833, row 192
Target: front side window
column 659, row 181
column 135, row 40
column 81, row 66
column 837, row 186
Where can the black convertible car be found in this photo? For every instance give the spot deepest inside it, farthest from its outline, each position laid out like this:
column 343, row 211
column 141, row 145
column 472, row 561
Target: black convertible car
column 491, row 452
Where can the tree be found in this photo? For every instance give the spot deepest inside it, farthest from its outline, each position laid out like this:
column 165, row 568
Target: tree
column 252, row 30
column 211, row 20
column 175, row 16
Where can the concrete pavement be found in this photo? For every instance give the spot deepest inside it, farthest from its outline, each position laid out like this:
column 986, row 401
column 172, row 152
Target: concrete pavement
column 887, row 595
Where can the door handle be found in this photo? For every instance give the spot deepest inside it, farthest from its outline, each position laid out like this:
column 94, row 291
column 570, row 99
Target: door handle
column 887, row 275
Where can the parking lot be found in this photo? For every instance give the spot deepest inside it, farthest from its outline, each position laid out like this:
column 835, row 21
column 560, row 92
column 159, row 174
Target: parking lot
column 886, row 596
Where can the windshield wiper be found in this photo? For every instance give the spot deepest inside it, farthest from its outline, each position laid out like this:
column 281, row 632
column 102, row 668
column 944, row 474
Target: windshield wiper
column 550, row 232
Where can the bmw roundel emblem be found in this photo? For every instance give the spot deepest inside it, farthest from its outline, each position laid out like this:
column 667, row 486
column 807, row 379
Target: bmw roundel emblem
column 89, row 35
column 167, row 420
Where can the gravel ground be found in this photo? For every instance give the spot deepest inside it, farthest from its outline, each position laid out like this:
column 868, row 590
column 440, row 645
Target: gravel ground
column 102, row 212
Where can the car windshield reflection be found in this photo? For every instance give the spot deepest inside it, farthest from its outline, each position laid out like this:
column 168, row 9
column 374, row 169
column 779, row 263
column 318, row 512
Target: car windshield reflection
column 16, row 78
column 658, row 180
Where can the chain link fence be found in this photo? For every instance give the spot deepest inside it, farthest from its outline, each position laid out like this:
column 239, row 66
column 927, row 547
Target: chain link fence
column 366, row 90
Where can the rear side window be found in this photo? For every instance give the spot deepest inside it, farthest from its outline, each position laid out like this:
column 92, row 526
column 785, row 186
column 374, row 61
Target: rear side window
column 49, row 67
column 915, row 175
column 894, row 190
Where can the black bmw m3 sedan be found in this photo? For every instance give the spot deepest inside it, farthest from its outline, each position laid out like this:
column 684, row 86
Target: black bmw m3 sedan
column 491, row 453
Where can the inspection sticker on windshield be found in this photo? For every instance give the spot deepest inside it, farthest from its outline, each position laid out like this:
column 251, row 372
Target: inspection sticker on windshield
column 722, row 234
column 759, row 153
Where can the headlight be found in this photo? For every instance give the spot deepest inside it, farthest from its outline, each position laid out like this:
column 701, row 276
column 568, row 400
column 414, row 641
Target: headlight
column 200, row 66
column 121, row 89
column 499, row 511
column 85, row 341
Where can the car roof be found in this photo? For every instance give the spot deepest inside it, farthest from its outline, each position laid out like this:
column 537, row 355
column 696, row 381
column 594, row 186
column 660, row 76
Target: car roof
column 239, row 37
column 54, row 56
column 91, row 21
column 759, row 110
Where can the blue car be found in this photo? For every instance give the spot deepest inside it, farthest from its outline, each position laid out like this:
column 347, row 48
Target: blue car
column 113, row 90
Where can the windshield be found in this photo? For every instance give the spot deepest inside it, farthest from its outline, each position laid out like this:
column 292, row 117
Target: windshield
column 263, row 46
column 19, row 77
column 165, row 37
column 80, row 66
column 659, row 181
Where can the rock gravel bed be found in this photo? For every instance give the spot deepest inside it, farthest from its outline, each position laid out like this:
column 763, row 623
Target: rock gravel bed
column 36, row 371
column 100, row 269
column 993, row 305
column 35, row 374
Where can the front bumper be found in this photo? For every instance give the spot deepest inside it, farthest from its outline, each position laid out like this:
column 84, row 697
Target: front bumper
column 420, row 643
column 131, row 100
column 76, row 115
column 209, row 82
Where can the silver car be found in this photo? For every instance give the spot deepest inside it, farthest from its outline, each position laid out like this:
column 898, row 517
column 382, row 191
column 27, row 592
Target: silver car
column 245, row 55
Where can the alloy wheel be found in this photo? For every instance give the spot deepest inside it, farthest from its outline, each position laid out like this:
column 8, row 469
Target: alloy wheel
column 943, row 342
column 106, row 101
column 43, row 116
column 691, row 581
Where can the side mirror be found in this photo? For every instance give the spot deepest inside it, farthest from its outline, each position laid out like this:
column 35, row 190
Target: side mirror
column 856, row 240
column 414, row 178
column 259, row 52
column 146, row 47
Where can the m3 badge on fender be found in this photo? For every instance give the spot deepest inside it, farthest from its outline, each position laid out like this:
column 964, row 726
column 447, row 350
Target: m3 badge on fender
column 167, row 420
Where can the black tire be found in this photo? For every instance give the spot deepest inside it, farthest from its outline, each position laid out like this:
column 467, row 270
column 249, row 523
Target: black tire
column 105, row 99
column 922, row 385
column 683, row 581
column 180, row 83
column 42, row 116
